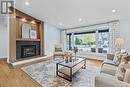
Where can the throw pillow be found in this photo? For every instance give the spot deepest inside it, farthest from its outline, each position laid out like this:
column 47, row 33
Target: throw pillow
column 118, row 57
column 122, row 70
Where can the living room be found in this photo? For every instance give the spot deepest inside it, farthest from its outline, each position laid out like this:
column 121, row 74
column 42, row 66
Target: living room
column 83, row 43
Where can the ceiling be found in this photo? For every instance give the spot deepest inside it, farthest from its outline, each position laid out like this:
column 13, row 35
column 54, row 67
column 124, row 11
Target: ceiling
column 66, row 13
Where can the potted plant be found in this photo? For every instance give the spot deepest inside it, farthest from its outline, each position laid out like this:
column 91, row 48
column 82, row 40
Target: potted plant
column 75, row 51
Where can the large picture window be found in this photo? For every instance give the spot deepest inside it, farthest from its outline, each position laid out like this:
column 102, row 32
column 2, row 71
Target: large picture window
column 94, row 41
column 85, row 41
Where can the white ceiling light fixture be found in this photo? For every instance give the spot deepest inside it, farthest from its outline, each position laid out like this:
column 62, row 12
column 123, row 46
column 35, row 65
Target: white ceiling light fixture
column 27, row 3
column 80, row 19
column 113, row 10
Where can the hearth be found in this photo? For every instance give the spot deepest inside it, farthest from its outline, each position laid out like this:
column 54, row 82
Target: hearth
column 28, row 51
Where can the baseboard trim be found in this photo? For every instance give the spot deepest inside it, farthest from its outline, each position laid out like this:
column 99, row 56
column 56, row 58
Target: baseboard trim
column 30, row 60
column 3, row 57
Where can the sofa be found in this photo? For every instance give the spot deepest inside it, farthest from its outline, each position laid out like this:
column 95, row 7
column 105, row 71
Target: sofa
column 106, row 80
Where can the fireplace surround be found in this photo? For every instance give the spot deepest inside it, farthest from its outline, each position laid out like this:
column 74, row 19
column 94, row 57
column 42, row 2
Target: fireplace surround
column 27, row 50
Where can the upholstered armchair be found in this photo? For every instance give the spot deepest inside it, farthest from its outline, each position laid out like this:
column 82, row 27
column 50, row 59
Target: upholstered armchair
column 108, row 66
column 58, row 51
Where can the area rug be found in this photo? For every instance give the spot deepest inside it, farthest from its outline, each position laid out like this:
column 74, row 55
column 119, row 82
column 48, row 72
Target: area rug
column 44, row 73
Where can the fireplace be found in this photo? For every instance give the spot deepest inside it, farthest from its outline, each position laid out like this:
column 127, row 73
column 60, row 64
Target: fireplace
column 28, row 51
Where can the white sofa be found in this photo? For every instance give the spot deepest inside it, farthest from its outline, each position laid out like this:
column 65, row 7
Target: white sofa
column 106, row 80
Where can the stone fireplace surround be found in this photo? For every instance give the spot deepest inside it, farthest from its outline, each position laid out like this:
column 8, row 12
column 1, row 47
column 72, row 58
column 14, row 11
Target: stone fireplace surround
column 19, row 45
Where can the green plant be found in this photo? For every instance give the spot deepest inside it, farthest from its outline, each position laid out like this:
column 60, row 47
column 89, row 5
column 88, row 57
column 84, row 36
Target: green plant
column 75, row 50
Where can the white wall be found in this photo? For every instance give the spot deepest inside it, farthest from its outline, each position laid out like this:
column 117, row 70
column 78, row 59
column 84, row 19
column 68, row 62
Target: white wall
column 3, row 37
column 51, row 37
column 125, row 33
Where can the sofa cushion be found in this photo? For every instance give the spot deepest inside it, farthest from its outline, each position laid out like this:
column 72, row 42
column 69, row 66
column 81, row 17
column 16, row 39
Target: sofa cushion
column 127, row 76
column 105, row 80
column 122, row 73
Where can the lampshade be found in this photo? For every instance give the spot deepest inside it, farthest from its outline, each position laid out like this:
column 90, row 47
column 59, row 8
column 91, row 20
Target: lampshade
column 119, row 41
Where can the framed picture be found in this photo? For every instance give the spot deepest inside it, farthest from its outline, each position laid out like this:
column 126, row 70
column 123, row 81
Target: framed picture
column 33, row 34
column 25, row 30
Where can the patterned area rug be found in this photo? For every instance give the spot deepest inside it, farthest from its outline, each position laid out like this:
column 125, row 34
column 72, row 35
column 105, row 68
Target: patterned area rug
column 44, row 73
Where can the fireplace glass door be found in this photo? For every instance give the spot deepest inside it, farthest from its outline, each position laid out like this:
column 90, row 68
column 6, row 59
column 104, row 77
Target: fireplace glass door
column 28, row 51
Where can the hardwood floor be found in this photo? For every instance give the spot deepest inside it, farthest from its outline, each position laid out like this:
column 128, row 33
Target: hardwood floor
column 14, row 77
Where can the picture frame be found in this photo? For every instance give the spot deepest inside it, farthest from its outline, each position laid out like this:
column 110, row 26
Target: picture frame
column 25, row 30
column 33, row 34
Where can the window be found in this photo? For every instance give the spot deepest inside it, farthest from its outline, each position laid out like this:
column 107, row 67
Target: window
column 68, row 42
column 103, row 41
column 85, row 41
column 94, row 41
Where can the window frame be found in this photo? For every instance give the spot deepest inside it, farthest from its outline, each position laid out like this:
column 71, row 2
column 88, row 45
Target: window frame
column 71, row 37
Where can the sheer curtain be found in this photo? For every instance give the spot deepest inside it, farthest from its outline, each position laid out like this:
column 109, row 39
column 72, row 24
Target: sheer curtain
column 63, row 39
column 114, row 32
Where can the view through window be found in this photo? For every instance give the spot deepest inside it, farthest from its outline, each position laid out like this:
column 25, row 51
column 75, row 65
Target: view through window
column 103, row 41
column 95, row 41
column 85, row 41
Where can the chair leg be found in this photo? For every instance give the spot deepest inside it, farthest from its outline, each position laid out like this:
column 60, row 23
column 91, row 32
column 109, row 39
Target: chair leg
column 101, row 67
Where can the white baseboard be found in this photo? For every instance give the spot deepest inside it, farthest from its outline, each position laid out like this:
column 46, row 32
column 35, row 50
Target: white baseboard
column 29, row 60
column 3, row 57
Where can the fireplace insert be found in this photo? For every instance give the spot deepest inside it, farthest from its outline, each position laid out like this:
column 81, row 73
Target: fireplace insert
column 28, row 51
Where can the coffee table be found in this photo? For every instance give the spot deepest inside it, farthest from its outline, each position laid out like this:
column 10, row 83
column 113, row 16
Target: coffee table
column 67, row 70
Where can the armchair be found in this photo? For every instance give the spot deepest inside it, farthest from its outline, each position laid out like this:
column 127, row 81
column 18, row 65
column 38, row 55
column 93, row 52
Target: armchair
column 58, row 51
column 111, row 64
column 108, row 66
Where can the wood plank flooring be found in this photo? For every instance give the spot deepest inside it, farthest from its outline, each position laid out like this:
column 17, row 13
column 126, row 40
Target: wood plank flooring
column 14, row 77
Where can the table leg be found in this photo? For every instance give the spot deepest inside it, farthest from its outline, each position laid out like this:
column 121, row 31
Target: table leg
column 70, row 74
column 57, row 69
column 84, row 67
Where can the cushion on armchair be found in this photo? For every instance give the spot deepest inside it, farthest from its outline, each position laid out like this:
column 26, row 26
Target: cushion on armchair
column 110, row 57
column 118, row 57
column 59, row 53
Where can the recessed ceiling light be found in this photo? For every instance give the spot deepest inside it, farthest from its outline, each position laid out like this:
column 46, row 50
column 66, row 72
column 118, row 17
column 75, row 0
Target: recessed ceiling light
column 113, row 10
column 80, row 19
column 27, row 3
